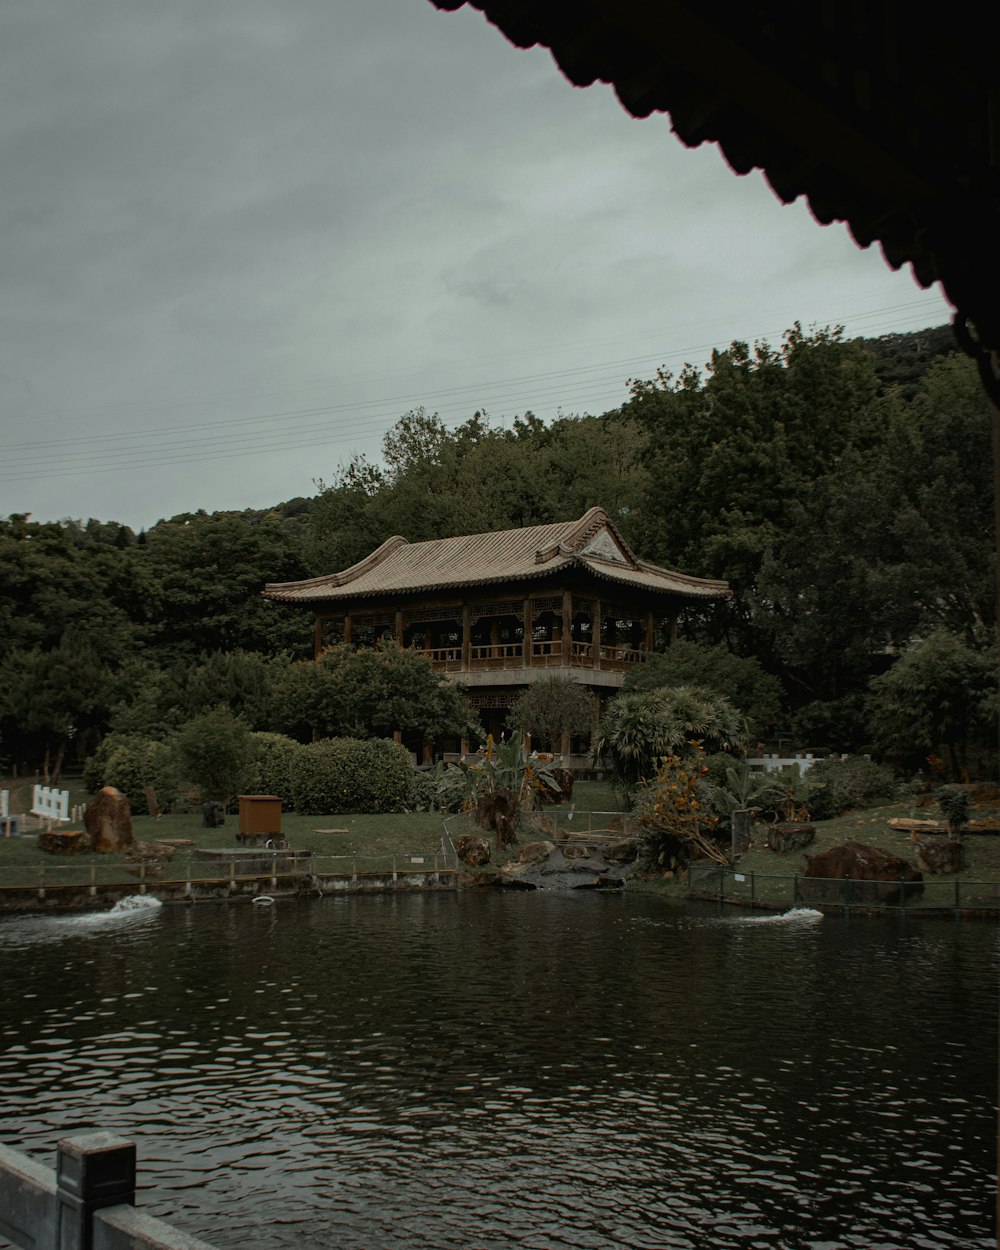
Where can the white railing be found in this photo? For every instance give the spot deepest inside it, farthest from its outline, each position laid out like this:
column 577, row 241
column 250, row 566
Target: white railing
column 49, row 803
column 772, row 763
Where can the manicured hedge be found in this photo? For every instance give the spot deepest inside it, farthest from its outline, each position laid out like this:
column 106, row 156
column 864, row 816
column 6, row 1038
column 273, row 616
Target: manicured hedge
column 352, row 775
column 332, row 775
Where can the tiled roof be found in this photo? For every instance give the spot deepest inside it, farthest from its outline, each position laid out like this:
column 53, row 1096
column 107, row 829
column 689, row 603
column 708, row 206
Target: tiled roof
column 883, row 116
column 401, row 567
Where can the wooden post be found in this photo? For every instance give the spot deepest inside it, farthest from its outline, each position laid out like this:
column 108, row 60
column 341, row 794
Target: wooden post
column 526, row 638
column 318, row 637
column 347, row 629
column 595, row 632
column 567, row 628
column 466, row 638
column 399, row 628
column 93, row 1170
column 649, row 630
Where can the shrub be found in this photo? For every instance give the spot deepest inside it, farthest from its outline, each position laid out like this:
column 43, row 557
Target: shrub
column 216, row 754
column 849, row 783
column 352, row 775
column 439, row 789
column 131, row 763
column 954, row 802
column 675, row 814
column 274, row 765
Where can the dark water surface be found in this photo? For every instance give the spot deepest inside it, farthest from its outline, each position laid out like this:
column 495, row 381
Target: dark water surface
column 517, row 1070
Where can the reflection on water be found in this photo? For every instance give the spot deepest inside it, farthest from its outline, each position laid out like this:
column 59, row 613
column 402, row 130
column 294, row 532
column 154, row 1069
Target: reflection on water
column 517, row 1070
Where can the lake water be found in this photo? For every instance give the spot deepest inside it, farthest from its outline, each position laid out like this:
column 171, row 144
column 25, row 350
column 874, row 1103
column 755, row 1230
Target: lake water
column 506, row 1070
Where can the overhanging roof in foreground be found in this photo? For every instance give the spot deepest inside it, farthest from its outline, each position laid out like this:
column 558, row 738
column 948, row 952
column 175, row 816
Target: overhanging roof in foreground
column 883, row 115
column 592, row 544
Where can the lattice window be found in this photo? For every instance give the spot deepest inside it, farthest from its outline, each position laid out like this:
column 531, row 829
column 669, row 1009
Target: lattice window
column 498, row 607
column 373, row 620
column 549, row 603
column 451, row 612
column 492, row 700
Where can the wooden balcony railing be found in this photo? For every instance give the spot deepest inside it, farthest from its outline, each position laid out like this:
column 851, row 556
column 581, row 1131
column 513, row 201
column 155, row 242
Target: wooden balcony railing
column 547, row 653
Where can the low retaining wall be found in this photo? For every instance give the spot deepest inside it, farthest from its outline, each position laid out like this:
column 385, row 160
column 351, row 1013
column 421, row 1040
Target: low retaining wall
column 85, row 1203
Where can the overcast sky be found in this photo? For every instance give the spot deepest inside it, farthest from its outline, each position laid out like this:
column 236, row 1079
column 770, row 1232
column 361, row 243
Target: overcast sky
column 240, row 238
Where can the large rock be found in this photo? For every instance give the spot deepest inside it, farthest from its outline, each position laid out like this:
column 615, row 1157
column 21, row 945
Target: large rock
column 557, row 871
column 534, row 852
column 790, row 836
column 938, row 856
column 473, row 850
column 109, row 820
column 148, row 859
column 63, row 841
column 857, row 874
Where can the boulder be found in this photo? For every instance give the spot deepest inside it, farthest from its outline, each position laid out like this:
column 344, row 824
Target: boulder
column 857, row 874
column 63, row 841
column 109, row 820
column 576, row 850
column 623, row 851
column 534, row 852
column 148, row 859
column 938, row 856
column 790, row 836
column 473, row 850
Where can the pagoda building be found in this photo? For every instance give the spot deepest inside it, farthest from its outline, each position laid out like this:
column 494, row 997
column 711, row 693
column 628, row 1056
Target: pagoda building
column 496, row 612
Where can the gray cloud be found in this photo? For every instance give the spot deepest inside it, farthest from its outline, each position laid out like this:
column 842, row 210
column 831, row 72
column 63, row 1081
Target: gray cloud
column 212, row 213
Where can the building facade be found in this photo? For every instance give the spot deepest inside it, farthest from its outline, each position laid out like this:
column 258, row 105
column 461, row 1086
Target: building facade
column 498, row 611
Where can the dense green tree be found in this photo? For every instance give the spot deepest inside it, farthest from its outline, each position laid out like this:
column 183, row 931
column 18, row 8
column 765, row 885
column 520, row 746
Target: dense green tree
column 476, row 478
column 730, row 453
column 741, row 679
column 552, row 707
column 372, row 693
column 216, row 753
column 939, row 698
column 64, row 577
column 50, row 698
column 200, row 578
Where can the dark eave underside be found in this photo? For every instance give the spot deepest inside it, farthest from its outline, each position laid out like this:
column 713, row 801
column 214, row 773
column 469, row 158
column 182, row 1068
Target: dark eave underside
column 885, row 116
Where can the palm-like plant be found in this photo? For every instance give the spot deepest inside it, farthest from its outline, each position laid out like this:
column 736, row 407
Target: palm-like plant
column 639, row 729
column 502, row 782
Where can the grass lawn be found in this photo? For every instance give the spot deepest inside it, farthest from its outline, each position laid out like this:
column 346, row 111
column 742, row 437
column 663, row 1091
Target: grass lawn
column 362, row 843
column 769, row 874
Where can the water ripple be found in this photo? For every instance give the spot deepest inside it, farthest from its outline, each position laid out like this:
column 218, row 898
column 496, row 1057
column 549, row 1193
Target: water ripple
column 496, row 1072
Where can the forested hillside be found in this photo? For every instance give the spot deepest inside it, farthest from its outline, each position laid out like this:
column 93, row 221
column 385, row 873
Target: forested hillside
column 844, row 488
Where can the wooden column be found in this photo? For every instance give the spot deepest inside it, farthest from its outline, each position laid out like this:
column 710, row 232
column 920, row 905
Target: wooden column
column 649, row 631
column 526, row 637
column 347, row 628
column 567, row 627
column 466, row 638
column 595, row 632
column 318, row 636
column 399, row 628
